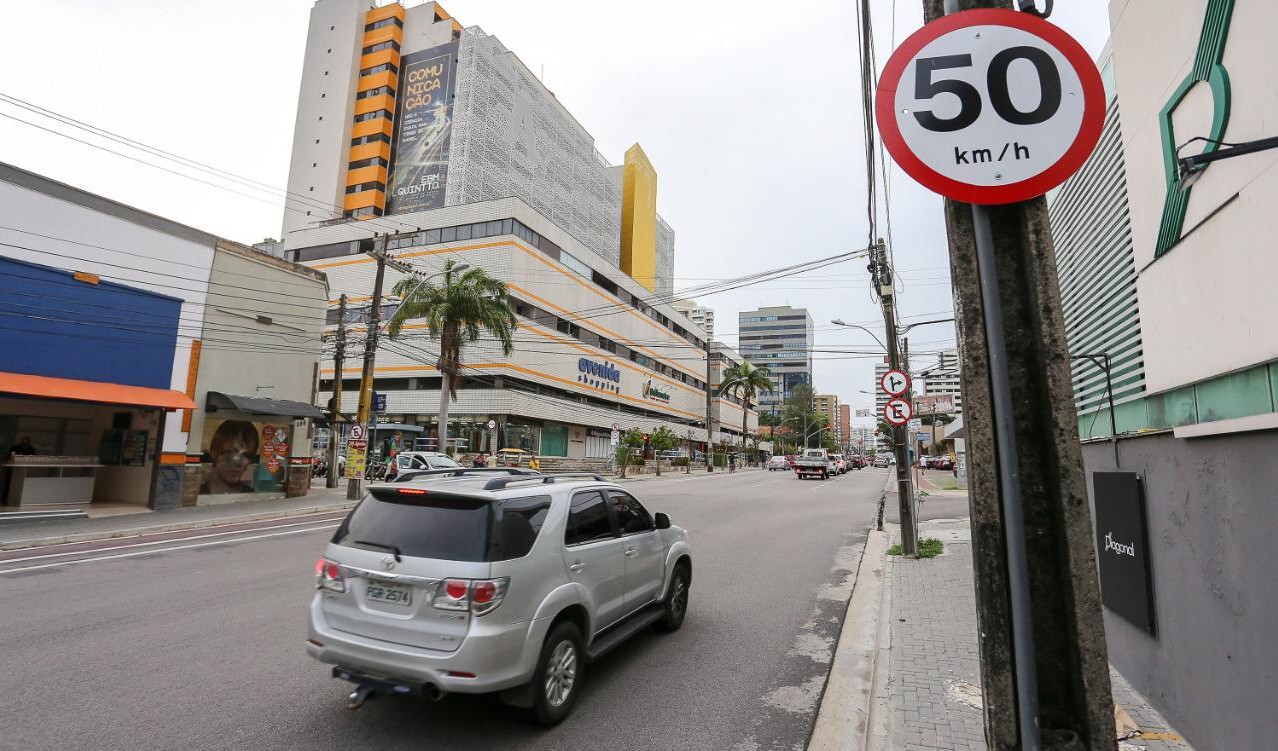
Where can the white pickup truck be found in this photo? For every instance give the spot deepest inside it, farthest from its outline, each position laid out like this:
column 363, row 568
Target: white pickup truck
column 814, row 463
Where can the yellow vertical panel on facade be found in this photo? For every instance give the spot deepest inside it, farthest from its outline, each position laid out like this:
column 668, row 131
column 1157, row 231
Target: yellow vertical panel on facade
column 639, row 218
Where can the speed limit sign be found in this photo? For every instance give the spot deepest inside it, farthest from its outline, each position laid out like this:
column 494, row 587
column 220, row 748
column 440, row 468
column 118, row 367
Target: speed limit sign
column 990, row 106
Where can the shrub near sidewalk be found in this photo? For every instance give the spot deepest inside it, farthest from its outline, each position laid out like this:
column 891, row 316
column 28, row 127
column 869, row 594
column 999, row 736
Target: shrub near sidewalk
column 928, row 548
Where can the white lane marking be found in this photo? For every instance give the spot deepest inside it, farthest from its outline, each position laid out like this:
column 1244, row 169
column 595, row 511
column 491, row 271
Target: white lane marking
column 167, row 550
column 155, row 542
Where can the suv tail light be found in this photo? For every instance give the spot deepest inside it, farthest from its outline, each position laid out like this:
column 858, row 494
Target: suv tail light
column 479, row 596
column 328, row 575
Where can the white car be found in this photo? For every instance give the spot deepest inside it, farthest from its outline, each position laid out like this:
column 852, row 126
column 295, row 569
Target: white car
column 405, row 460
column 778, row 462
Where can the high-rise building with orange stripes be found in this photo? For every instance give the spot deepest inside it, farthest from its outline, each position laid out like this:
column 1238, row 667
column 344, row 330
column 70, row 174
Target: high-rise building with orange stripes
column 439, row 142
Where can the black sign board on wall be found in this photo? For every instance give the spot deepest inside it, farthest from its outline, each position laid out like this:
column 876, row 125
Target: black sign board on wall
column 1122, row 547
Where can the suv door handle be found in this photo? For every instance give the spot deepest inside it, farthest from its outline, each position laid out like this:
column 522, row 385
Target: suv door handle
column 576, row 567
column 632, row 552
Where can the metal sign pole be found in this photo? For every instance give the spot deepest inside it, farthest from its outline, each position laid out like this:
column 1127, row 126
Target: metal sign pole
column 1009, row 484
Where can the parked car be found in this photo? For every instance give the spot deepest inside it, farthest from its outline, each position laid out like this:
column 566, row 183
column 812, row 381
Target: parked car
column 477, row 584
column 840, row 464
column 405, row 460
column 814, row 463
column 778, row 462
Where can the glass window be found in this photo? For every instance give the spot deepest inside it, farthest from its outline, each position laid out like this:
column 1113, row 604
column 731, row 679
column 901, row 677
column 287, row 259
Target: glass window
column 493, row 229
column 436, row 525
column 432, row 236
column 632, row 517
column 463, row 232
column 588, row 519
column 448, row 235
column 575, row 264
column 516, row 525
column 507, row 226
column 1238, row 395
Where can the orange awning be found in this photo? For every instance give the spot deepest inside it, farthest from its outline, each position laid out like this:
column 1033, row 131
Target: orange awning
column 92, row 391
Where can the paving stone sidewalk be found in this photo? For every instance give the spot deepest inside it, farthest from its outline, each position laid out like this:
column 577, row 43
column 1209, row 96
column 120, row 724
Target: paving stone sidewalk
column 934, row 694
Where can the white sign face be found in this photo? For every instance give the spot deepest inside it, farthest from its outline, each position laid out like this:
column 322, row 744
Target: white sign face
column 915, row 424
column 894, row 382
column 358, row 432
column 1043, row 94
column 897, row 412
column 492, row 424
column 990, row 106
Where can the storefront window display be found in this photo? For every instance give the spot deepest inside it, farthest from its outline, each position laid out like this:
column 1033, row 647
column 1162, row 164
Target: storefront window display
column 240, row 456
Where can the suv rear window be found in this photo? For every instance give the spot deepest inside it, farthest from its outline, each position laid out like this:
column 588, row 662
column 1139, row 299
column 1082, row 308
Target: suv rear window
column 445, row 527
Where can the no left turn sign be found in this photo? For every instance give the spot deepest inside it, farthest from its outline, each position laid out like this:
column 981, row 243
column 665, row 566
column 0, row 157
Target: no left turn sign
column 990, row 106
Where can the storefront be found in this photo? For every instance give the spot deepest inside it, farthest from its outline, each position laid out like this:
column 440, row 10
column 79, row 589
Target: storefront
column 70, row 444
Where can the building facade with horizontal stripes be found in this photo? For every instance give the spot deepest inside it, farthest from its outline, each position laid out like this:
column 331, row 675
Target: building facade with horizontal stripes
column 593, row 348
column 1166, row 275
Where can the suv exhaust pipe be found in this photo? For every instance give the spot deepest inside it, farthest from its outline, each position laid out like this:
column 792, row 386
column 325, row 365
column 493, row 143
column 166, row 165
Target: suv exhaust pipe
column 433, row 692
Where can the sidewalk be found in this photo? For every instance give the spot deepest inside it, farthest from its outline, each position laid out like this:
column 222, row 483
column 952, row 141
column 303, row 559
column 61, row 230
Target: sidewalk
column 58, row 531
column 18, row 535
column 933, row 692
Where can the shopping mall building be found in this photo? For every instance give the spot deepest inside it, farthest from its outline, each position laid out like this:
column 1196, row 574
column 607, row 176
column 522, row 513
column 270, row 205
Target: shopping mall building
column 437, row 140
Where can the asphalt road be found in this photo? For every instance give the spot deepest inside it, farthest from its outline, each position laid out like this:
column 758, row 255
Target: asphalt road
column 196, row 641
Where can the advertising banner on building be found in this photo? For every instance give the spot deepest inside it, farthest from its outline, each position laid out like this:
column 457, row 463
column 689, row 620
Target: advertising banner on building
column 423, row 130
column 937, row 403
column 239, row 456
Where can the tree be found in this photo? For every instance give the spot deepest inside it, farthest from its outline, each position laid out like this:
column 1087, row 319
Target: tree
column 662, row 439
column 630, row 440
column 457, row 311
column 746, row 380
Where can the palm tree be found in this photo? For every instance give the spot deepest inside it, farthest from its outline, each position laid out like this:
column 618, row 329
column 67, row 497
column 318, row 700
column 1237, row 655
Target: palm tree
column 747, row 380
column 456, row 312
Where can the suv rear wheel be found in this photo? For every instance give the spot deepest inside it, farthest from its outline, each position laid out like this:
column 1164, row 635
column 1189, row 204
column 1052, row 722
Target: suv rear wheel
column 560, row 669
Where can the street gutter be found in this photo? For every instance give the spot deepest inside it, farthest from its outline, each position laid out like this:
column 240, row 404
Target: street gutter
column 848, row 718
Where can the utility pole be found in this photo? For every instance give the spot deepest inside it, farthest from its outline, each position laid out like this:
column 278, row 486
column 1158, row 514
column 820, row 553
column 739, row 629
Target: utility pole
column 335, row 414
column 354, row 488
column 709, row 414
column 882, row 279
column 1044, row 667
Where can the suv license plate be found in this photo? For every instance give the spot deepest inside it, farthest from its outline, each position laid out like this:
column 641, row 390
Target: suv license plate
column 395, row 594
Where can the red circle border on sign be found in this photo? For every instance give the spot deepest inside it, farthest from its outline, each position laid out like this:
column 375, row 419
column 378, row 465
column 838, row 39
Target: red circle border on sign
column 1069, row 163
column 889, row 420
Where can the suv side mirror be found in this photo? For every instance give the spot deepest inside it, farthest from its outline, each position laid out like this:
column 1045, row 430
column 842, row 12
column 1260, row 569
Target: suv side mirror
column 662, row 520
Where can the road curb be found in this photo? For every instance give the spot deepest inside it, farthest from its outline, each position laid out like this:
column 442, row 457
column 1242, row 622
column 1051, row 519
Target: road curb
column 846, row 719
column 36, row 542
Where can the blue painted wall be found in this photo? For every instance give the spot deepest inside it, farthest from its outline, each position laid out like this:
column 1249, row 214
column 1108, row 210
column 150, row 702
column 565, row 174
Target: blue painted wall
column 53, row 325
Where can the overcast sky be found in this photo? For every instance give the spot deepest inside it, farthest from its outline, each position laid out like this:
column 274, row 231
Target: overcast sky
column 749, row 111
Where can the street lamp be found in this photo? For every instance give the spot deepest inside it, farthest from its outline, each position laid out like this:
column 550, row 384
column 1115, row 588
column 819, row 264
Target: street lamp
column 840, row 322
column 906, row 329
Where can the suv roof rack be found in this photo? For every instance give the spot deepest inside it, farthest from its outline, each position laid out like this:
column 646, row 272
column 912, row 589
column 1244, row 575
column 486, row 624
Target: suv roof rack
column 501, row 482
column 412, row 474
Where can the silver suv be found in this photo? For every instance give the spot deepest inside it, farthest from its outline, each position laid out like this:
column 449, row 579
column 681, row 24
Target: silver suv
column 496, row 583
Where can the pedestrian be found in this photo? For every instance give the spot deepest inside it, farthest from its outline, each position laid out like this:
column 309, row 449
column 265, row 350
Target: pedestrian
column 481, row 460
column 534, row 464
column 732, row 463
column 23, row 447
column 492, row 461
